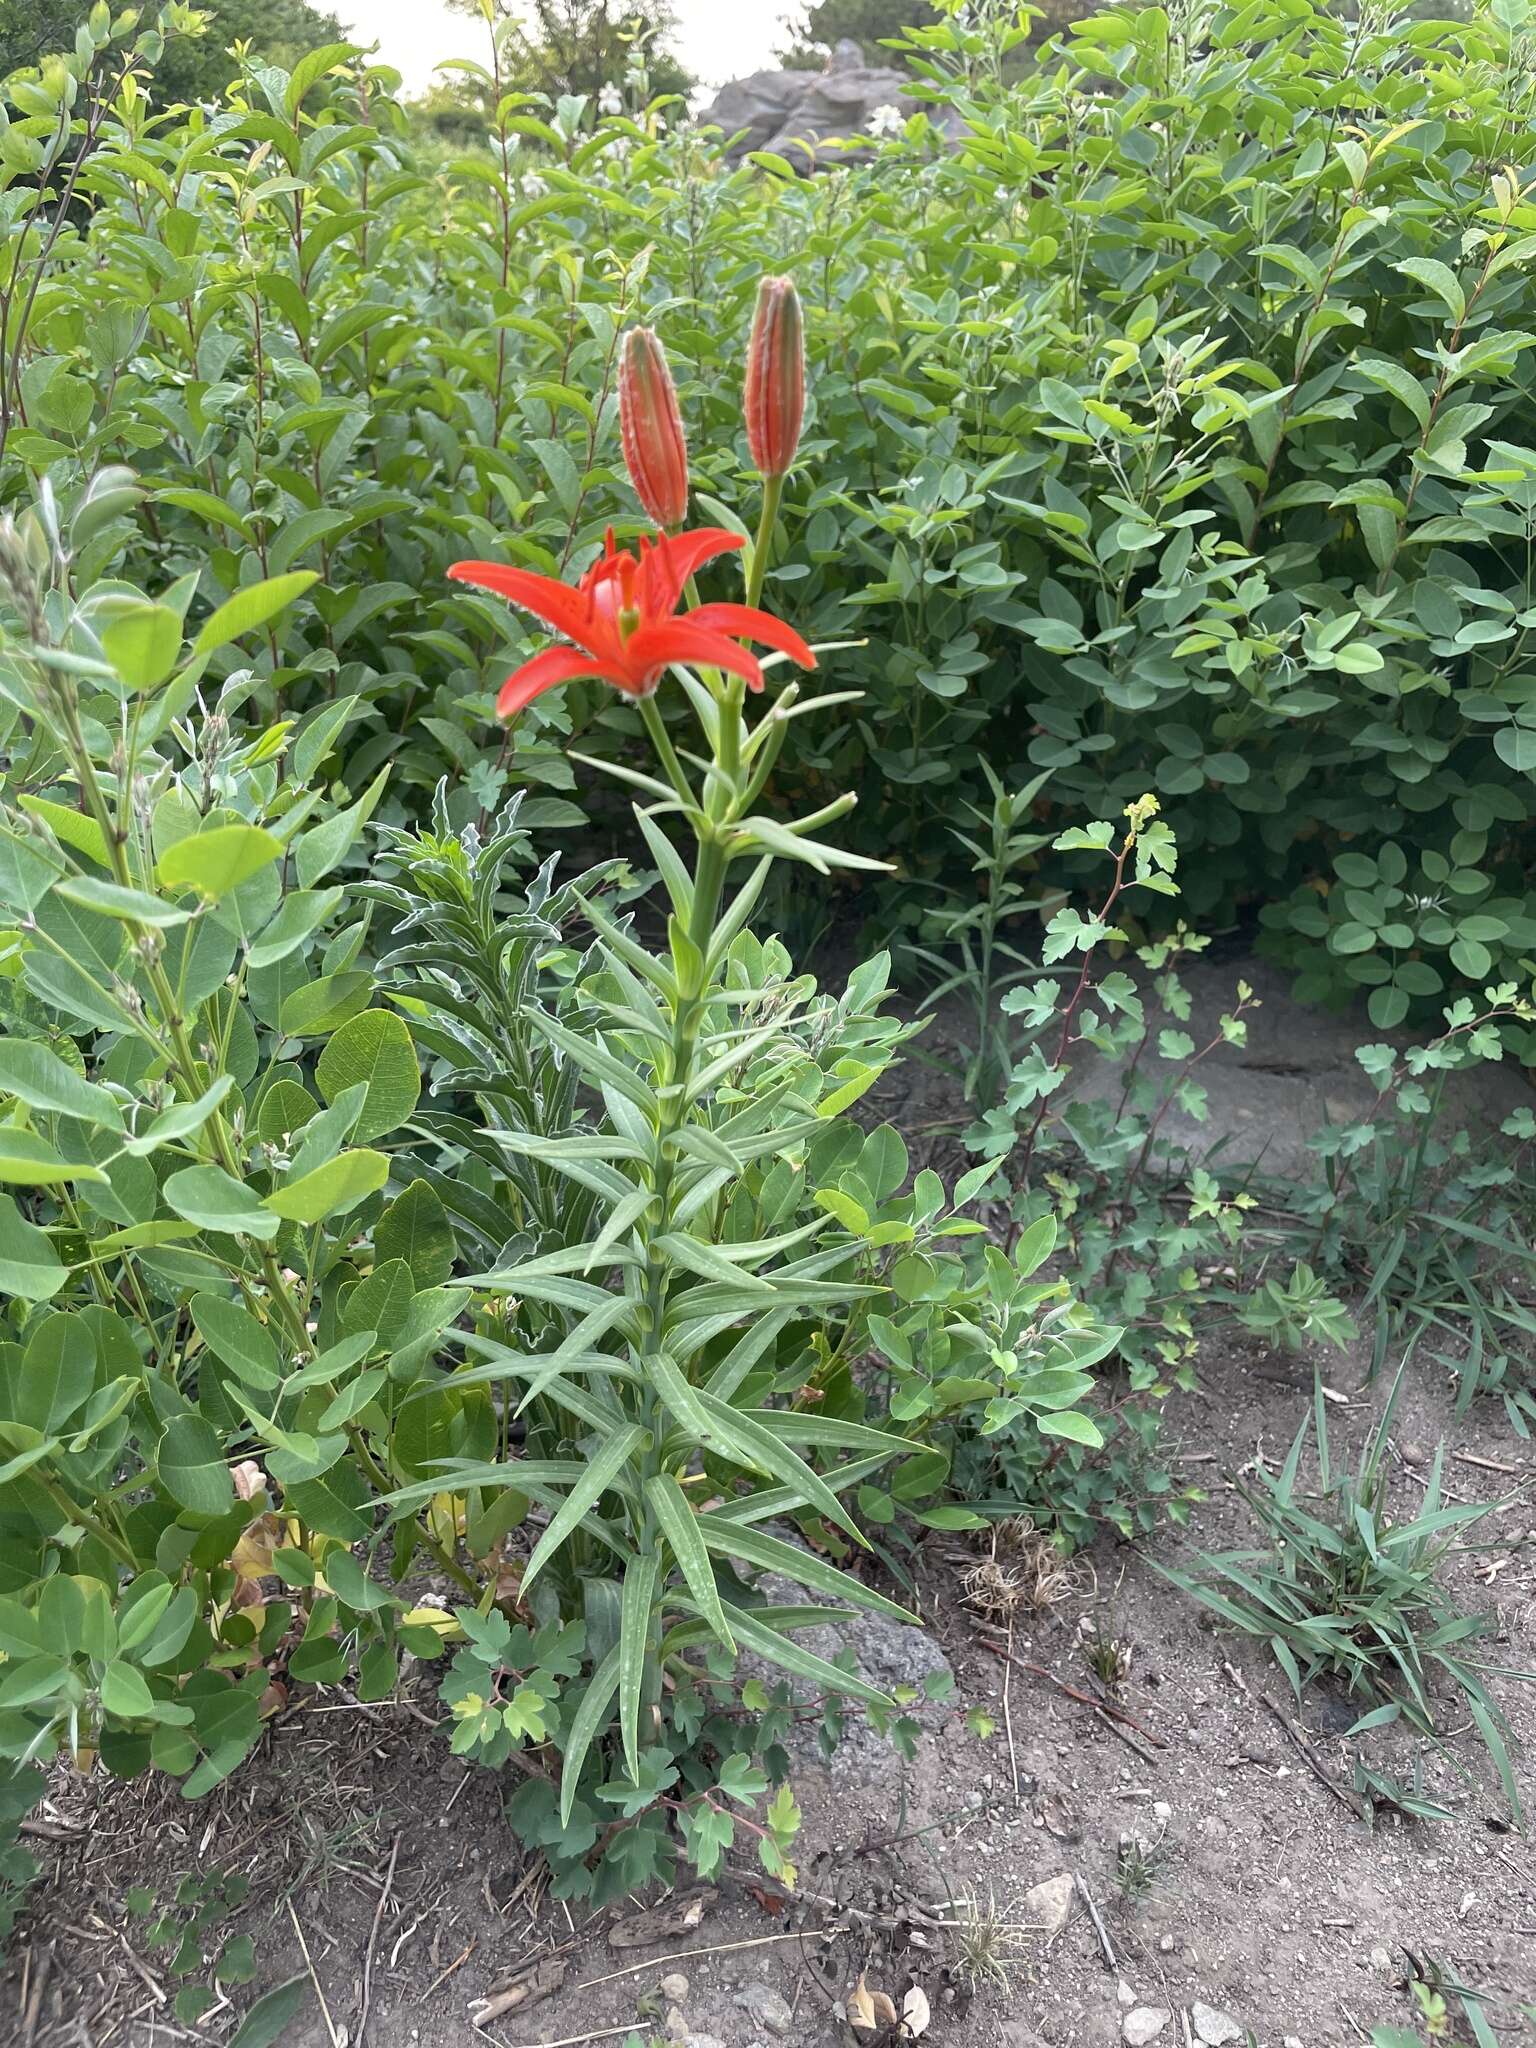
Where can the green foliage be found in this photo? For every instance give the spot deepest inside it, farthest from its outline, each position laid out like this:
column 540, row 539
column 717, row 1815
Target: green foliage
column 1346, row 1591
column 1428, row 1216
column 202, row 66
column 1165, row 437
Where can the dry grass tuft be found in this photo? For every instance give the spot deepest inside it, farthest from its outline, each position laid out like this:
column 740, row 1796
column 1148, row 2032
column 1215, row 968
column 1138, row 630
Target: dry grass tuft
column 1023, row 1574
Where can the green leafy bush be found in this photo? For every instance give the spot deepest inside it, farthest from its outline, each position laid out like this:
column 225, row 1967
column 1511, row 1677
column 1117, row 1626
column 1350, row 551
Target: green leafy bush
column 1167, row 431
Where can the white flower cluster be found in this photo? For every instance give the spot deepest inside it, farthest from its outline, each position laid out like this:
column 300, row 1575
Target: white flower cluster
column 886, row 120
column 610, row 100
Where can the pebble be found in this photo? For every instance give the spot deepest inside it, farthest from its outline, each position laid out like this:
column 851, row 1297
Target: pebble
column 702, row 2041
column 674, row 1987
column 1124, row 1993
column 1162, row 1810
column 766, row 2008
column 676, row 2025
column 1381, row 1959
column 1049, row 1905
column 1215, row 2028
column 1165, row 1944
column 1291, row 2041
column 1144, row 2023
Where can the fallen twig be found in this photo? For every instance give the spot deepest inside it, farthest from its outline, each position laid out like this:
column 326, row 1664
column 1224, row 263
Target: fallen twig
column 1013, row 1755
column 1073, row 1692
column 1125, row 1736
column 1105, row 1944
column 442, row 1978
column 1347, row 1800
column 373, row 1942
column 681, row 1955
column 325, row 2010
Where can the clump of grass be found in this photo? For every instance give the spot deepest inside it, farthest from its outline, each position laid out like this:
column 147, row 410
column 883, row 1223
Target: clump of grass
column 1139, row 1866
column 987, row 1947
column 1345, row 1591
column 1107, row 1656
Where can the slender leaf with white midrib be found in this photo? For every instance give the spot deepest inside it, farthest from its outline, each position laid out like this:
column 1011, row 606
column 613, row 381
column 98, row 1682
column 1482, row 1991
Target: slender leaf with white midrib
column 594, row 1482
column 635, row 1616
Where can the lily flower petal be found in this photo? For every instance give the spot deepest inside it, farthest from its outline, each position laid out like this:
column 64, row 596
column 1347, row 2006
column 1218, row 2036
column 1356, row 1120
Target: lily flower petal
column 747, row 623
column 680, row 640
column 546, row 597
column 554, row 666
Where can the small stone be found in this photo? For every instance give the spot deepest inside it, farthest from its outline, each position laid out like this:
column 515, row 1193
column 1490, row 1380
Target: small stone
column 766, row 2008
column 676, row 2024
column 1414, row 1454
column 1215, row 2028
column 1144, row 2023
column 1124, row 1993
column 1048, row 1906
column 1165, row 1944
column 674, row 1987
column 1291, row 2041
column 702, row 2041
column 1381, row 1960
column 1161, row 1810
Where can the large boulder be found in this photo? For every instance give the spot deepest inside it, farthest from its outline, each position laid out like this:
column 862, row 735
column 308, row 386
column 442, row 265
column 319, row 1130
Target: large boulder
column 791, row 112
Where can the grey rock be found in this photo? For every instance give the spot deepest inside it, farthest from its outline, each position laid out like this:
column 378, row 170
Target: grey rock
column 1298, row 1067
column 1214, row 2027
column 885, row 1653
column 676, row 2024
column 703, row 2041
column 1143, row 2023
column 766, row 2008
column 1048, row 1906
column 1381, row 1960
column 791, row 112
column 674, row 1987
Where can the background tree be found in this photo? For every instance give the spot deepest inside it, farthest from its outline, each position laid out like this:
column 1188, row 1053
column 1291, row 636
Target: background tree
column 820, row 24
column 579, row 46
column 193, row 67
column 29, row 29
column 278, row 31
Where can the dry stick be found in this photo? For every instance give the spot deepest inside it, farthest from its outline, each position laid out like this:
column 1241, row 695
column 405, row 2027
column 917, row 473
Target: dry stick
column 1086, row 1699
column 373, row 1942
column 1013, row 1761
column 1124, row 1735
column 576, row 2040
column 681, row 1955
column 442, row 1977
column 1484, row 1464
column 1098, row 1924
column 325, row 2010
column 1350, row 1805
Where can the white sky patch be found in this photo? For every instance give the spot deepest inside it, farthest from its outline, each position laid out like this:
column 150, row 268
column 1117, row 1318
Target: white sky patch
column 718, row 39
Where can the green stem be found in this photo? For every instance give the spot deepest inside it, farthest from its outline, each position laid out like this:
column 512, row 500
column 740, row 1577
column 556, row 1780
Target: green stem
column 84, row 1519
column 768, row 519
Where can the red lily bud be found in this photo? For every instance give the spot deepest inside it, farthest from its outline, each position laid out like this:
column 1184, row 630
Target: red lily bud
column 651, row 428
column 774, row 400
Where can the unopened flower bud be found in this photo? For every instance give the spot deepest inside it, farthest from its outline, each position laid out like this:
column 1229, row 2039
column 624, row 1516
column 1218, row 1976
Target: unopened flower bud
column 774, row 399
column 651, row 427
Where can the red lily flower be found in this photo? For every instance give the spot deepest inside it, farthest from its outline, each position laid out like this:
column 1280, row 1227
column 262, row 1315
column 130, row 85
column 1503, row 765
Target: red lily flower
column 622, row 619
